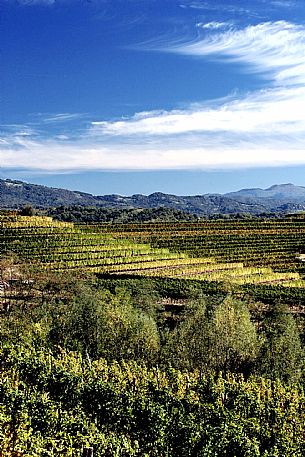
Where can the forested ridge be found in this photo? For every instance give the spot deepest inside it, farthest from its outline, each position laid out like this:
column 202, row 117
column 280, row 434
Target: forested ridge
column 277, row 199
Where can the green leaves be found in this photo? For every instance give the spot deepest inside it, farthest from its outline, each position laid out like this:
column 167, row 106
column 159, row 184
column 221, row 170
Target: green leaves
column 220, row 339
column 126, row 409
column 282, row 356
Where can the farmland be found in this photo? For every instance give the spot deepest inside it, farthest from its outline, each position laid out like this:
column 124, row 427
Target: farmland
column 238, row 252
column 152, row 339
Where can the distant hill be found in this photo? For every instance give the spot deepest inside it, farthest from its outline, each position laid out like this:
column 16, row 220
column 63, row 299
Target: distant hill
column 15, row 194
column 278, row 198
column 277, row 192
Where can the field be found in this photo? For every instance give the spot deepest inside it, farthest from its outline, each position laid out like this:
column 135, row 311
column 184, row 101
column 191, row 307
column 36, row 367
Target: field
column 260, row 252
column 180, row 344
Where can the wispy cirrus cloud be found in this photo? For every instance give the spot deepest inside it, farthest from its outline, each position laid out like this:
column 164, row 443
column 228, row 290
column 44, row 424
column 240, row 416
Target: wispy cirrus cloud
column 283, row 3
column 262, row 128
column 63, row 117
column 248, row 8
column 222, row 6
column 273, row 49
column 279, row 111
column 214, row 25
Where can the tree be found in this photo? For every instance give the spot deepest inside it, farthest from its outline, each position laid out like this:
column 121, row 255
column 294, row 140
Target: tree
column 222, row 338
column 187, row 345
column 107, row 325
column 282, row 355
column 27, row 210
column 234, row 342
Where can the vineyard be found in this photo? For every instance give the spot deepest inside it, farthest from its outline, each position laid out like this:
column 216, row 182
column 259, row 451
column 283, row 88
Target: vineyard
column 273, row 243
column 129, row 410
column 261, row 252
column 163, row 351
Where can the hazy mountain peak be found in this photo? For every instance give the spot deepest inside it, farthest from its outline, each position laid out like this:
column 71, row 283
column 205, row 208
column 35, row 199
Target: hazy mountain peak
column 283, row 186
column 286, row 191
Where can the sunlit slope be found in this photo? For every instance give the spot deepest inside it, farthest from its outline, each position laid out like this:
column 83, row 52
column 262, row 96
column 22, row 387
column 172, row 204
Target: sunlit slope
column 59, row 245
column 106, row 249
column 270, row 243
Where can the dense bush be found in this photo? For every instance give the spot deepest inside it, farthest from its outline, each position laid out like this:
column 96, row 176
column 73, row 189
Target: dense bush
column 56, row 404
column 86, row 362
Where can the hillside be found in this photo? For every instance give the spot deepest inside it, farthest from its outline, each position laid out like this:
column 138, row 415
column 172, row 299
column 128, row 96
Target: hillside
column 278, row 198
column 15, row 194
column 276, row 192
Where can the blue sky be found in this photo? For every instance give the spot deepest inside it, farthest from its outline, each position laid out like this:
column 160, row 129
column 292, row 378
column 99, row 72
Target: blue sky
column 137, row 96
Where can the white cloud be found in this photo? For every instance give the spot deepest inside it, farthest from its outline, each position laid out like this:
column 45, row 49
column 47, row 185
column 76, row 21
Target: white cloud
column 280, row 111
column 263, row 128
column 63, row 117
column 54, row 156
column 214, row 25
column 283, row 3
column 268, row 116
column 273, row 49
column 224, row 7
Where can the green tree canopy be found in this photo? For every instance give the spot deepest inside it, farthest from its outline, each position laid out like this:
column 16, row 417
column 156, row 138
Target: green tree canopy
column 282, row 355
column 222, row 339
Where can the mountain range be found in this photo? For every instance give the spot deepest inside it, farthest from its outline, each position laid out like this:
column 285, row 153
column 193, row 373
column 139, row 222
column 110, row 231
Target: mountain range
column 277, row 198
